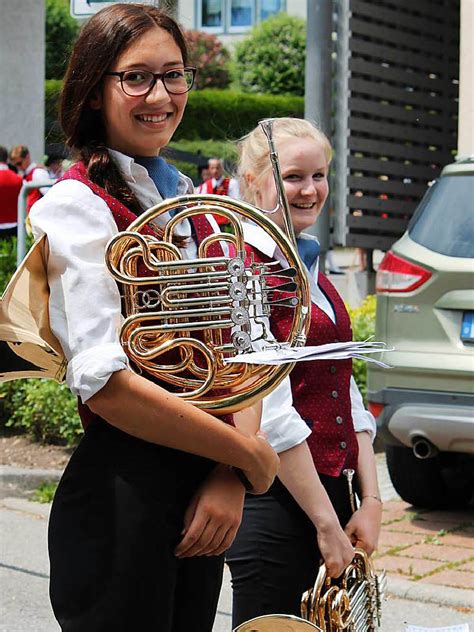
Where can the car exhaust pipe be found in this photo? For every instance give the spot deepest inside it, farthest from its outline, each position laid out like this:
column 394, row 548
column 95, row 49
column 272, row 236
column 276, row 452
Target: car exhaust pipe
column 423, row 448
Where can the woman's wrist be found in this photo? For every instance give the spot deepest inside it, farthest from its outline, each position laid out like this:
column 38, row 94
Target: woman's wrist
column 325, row 519
column 371, row 498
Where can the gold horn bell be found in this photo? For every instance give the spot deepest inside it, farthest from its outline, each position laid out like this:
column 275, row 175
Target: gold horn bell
column 205, row 310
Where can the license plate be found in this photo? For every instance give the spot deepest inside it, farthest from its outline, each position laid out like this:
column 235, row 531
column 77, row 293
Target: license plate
column 467, row 327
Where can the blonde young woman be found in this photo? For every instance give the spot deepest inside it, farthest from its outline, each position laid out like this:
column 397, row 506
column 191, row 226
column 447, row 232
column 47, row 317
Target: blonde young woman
column 306, row 515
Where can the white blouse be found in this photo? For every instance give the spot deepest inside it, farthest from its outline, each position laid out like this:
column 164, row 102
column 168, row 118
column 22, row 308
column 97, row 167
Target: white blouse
column 85, row 307
column 363, row 420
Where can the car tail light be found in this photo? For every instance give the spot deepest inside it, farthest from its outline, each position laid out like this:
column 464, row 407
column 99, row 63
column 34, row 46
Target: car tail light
column 398, row 275
column 376, row 408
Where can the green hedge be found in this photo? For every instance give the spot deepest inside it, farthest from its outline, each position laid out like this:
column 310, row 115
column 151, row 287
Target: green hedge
column 228, row 114
column 210, row 114
column 363, row 327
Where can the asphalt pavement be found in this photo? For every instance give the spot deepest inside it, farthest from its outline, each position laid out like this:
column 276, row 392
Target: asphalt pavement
column 24, row 572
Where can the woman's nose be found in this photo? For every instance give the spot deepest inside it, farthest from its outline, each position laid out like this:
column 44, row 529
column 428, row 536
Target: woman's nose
column 308, row 187
column 158, row 93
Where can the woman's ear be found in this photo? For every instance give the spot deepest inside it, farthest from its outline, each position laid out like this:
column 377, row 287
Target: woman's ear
column 95, row 100
column 249, row 178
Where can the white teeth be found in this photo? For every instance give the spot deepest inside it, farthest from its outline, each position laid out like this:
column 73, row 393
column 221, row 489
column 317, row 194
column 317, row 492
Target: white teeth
column 152, row 118
column 304, row 205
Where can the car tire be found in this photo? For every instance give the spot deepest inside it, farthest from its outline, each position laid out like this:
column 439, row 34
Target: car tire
column 445, row 481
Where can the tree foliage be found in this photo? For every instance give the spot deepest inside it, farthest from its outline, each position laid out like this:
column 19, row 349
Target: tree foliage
column 271, row 59
column 61, row 31
column 210, row 57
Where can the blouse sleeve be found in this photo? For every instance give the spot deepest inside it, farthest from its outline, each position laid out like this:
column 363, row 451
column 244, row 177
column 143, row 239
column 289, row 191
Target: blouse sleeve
column 281, row 423
column 84, row 304
column 363, row 420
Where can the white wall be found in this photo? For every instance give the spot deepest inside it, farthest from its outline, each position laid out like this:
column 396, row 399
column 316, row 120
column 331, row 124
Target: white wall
column 22, row 44
column 466, row 91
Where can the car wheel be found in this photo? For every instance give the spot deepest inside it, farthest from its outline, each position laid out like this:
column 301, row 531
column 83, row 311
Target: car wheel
column 445, row 481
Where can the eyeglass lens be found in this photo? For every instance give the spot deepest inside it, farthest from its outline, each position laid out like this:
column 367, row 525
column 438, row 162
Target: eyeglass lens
column 139, row 82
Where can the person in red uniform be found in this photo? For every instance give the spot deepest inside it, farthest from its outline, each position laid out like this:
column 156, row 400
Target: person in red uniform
column 219, row 184
column 10, row 185
column 148, row 502
column 306, row 515
column 21, row 158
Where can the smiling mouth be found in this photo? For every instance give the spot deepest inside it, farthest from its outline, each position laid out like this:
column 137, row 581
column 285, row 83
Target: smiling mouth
column 304, row 207
column 153, row 118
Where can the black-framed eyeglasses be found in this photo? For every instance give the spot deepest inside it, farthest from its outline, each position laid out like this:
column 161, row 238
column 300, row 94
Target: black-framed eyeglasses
column 138, row 83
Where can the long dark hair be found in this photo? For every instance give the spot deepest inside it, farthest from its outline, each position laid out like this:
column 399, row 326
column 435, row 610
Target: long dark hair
column 101, row 40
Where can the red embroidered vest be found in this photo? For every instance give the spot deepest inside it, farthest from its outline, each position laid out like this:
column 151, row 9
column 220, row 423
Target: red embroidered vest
column 222, row 189
column 321, row 389
column 123, row 217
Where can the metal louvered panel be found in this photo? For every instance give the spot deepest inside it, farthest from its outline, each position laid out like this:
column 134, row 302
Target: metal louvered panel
column 395, row 112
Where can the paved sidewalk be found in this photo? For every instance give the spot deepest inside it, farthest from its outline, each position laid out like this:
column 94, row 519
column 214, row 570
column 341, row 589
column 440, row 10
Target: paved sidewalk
column 427, row 547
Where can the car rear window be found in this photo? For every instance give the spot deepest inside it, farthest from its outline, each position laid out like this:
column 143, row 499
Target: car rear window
column 444, row 220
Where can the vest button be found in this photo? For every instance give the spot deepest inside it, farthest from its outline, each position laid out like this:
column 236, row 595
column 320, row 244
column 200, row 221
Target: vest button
column 333, row 369
column 335, row 394
column 343, row 444
column 339, row 420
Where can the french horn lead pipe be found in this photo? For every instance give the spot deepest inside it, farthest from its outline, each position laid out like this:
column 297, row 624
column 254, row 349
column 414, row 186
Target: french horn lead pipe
column 282, row 200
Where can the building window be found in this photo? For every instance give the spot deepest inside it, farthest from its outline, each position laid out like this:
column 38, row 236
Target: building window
column 269, row 8
column 241, row 14
column 234, row 16
column 211, row 14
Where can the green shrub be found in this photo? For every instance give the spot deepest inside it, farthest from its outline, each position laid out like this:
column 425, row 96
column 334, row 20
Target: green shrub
column 45, row 410
column 7, row 261
column 363, row 327
column 272, row 58
column 60, row 32
column 228, row 114
column 210, row 57
column 52, row 93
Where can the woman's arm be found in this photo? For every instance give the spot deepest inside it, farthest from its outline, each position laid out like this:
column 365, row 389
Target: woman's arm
column 364, row 527
column 149, row 412
column 298, row 474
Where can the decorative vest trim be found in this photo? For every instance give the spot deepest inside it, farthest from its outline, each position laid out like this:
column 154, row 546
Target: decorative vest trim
column 321, row 389
column 123, row 217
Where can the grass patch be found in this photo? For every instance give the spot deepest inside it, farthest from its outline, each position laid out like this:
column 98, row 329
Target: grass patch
column 45, row 492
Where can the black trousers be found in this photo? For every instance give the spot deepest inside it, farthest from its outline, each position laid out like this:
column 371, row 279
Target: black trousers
column 115, row 521
column 275, row 557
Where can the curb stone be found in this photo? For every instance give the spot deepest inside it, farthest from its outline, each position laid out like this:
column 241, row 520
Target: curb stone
column 430, row 593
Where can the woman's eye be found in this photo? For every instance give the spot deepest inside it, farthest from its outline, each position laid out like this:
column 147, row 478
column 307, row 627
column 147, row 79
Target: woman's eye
column 320, row 175
column 174, row 74
column 135, row 77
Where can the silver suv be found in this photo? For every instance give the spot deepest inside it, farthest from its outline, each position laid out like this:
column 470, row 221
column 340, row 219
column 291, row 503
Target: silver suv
column 425, row 310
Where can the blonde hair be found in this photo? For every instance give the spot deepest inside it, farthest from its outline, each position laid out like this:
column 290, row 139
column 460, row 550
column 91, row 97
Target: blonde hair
column 254, row 160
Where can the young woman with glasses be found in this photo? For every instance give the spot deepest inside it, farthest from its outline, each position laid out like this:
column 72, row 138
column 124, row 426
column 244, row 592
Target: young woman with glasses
column 148, row 502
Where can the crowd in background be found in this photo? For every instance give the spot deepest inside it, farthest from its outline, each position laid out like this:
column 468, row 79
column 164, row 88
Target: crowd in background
column 16, row 168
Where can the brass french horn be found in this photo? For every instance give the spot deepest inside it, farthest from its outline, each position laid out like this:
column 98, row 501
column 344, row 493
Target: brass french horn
column 350, row 603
